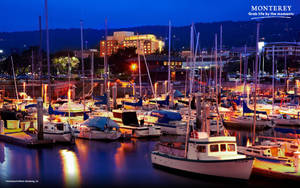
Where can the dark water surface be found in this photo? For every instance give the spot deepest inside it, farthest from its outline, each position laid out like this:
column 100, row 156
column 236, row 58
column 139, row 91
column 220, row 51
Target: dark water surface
column 105, row 164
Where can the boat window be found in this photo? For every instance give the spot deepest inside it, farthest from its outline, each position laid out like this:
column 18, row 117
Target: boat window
column 214, row 148
column 201, row 149
column 223, row 147
column 231, row 147
column 60, row 126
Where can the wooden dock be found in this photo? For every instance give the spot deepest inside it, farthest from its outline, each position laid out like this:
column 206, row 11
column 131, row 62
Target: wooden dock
column 24, row 139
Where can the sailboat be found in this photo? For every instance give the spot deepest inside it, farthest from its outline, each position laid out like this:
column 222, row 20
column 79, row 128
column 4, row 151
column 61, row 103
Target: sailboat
column 203, row 154
column 272, row 158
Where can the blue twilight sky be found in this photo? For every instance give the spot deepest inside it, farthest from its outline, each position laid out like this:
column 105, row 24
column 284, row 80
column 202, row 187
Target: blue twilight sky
column 19, row 15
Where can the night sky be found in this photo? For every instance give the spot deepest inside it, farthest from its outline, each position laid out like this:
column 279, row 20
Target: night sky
column 19, row 15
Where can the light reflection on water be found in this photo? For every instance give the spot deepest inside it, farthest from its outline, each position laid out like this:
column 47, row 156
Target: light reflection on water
column 103, row 163
column 71, row 169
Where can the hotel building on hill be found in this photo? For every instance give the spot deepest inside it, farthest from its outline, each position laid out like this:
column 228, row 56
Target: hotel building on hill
column 148, row 43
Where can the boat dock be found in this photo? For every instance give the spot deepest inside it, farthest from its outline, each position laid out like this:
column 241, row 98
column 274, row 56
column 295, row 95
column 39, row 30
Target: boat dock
column 24, row 139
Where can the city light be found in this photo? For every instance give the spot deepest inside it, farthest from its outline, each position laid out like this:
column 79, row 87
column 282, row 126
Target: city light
column 133, row 67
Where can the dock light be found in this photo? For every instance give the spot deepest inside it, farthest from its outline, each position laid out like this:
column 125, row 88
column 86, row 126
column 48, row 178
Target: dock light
column 133, row 67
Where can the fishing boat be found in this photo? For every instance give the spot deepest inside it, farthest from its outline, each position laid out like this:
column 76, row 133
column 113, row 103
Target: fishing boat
column 205, row 155
column 129, row 124
column 99, row 128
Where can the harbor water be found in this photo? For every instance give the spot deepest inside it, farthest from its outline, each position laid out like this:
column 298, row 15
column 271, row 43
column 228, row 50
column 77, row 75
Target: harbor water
column 107, row 164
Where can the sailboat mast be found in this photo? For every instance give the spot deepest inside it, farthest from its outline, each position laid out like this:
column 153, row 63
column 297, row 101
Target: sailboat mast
column 273, row 77
column 32, row 70
column 241, row 68
column 92, row 72
column 13, row 69
column 81, row 34
column 216, row 63
column 285, row 71
column 139, row 64
column 40, row 49
column 220, row 64
column 192, row 54
column 69, row 94
column 48, row 48
column 256, row 67
column 105, row 60
column 169, row 59
column 245, row 70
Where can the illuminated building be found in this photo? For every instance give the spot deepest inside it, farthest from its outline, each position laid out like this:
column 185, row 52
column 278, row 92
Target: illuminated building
column 282, row 48
column 148, row 43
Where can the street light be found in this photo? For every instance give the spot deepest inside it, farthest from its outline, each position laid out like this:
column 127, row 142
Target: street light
column 133, row 67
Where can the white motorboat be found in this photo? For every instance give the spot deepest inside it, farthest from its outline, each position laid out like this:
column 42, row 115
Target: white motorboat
column 214, row 156
column 99, row 128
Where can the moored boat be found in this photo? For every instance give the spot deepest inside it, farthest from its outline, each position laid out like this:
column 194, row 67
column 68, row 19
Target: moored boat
column 129, row 124
column 205, row 155
column 99, row 128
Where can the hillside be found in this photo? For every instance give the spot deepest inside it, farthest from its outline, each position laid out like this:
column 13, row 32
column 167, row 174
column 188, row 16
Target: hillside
column 235, row 34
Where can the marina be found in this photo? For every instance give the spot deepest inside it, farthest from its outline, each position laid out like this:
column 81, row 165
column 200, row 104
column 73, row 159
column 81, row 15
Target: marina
column 202, row 105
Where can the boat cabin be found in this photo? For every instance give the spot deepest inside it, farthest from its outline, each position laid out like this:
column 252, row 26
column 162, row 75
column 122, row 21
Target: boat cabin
column 204, row 147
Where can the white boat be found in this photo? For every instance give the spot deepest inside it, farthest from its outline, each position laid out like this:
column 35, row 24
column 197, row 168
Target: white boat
column 58, row 131
column 99, row 128
column 128, row 122
column 214, row 156
column 170, row 122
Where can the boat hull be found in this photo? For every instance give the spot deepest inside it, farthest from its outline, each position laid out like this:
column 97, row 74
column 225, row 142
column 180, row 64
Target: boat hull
column 59, row 137
column 141, row 132
column 287, row 122
column 243, row 124
column 237, row 168
column 99, row 135
column 173, row 130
